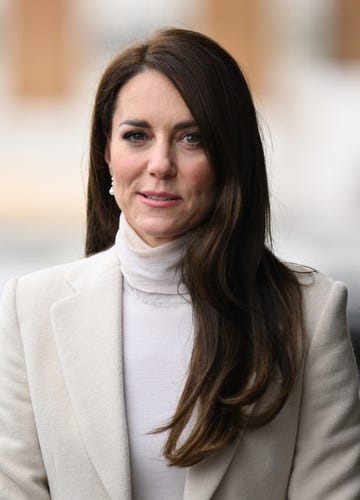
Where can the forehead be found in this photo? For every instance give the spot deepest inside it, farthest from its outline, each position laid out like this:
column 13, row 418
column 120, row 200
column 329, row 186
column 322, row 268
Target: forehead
column 151, row 92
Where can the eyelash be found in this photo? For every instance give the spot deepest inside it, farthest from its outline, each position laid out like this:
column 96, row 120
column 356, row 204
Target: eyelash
column 138, row 137
column 131, row 136
column 194, row 135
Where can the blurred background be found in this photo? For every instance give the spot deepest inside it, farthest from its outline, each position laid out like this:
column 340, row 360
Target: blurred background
column 302, row 60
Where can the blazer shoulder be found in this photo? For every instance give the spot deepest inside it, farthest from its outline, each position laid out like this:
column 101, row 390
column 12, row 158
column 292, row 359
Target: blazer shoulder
column 324, row 300
column 315, row 286
column 318, row 288
column 74, row 274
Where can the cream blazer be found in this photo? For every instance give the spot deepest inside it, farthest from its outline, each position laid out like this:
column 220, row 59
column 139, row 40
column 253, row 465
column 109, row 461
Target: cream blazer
column 62, row 417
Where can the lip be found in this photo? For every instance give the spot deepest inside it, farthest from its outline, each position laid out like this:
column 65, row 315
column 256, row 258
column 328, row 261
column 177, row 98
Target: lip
column 159, row 199
column 160, row 194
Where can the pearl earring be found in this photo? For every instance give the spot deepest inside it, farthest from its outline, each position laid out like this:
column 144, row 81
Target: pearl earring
column 111, row 190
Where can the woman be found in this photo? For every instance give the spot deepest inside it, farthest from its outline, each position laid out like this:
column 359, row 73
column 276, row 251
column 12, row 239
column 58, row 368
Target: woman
column 181, row 340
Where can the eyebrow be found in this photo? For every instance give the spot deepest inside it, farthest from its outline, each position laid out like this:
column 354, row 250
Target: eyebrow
column 146, row 124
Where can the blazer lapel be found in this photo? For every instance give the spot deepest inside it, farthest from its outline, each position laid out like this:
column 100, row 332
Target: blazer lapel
column 87, row 328
column 257, row 449
column 203, row 478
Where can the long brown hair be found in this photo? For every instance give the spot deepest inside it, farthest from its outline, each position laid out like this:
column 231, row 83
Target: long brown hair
column 246, row 303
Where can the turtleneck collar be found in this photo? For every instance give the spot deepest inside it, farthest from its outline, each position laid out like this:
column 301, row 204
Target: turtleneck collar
column 146, row 268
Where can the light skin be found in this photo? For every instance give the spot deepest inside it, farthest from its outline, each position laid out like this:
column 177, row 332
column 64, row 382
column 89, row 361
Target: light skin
column 163, row 181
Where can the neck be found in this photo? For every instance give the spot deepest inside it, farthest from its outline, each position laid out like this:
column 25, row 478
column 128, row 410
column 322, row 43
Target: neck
column 146, row 268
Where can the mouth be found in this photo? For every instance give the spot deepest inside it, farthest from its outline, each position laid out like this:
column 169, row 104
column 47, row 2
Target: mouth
column 157, row 200
column 159, row 196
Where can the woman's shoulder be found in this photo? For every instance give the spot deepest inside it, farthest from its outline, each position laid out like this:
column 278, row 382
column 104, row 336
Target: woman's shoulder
column 315, row 284
column 323, row 298
column 74, row 274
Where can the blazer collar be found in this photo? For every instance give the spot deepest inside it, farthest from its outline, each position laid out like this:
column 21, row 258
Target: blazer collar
column 87, row 329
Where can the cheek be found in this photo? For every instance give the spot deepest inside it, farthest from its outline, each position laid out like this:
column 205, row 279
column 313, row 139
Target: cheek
column 122, row 170
column 203, row 179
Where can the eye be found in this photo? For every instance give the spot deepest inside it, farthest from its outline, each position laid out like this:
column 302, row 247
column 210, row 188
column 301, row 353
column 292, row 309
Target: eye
column 192, row 139
column 134, row 136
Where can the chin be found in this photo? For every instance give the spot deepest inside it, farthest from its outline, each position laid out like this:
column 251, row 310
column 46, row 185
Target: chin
column 155, row 238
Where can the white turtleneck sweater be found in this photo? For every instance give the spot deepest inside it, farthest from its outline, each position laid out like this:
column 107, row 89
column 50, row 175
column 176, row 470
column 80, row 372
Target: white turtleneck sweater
column 157, row 343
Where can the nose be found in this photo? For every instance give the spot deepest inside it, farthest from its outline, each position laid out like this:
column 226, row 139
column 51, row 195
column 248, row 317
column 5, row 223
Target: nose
column 161, row 162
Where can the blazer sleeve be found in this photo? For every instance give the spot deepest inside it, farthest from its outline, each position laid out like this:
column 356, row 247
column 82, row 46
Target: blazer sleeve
column 327, row 456
column 22, row 472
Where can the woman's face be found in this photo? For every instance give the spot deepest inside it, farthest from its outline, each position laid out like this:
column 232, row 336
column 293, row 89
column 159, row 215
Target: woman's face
column 163, row 181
